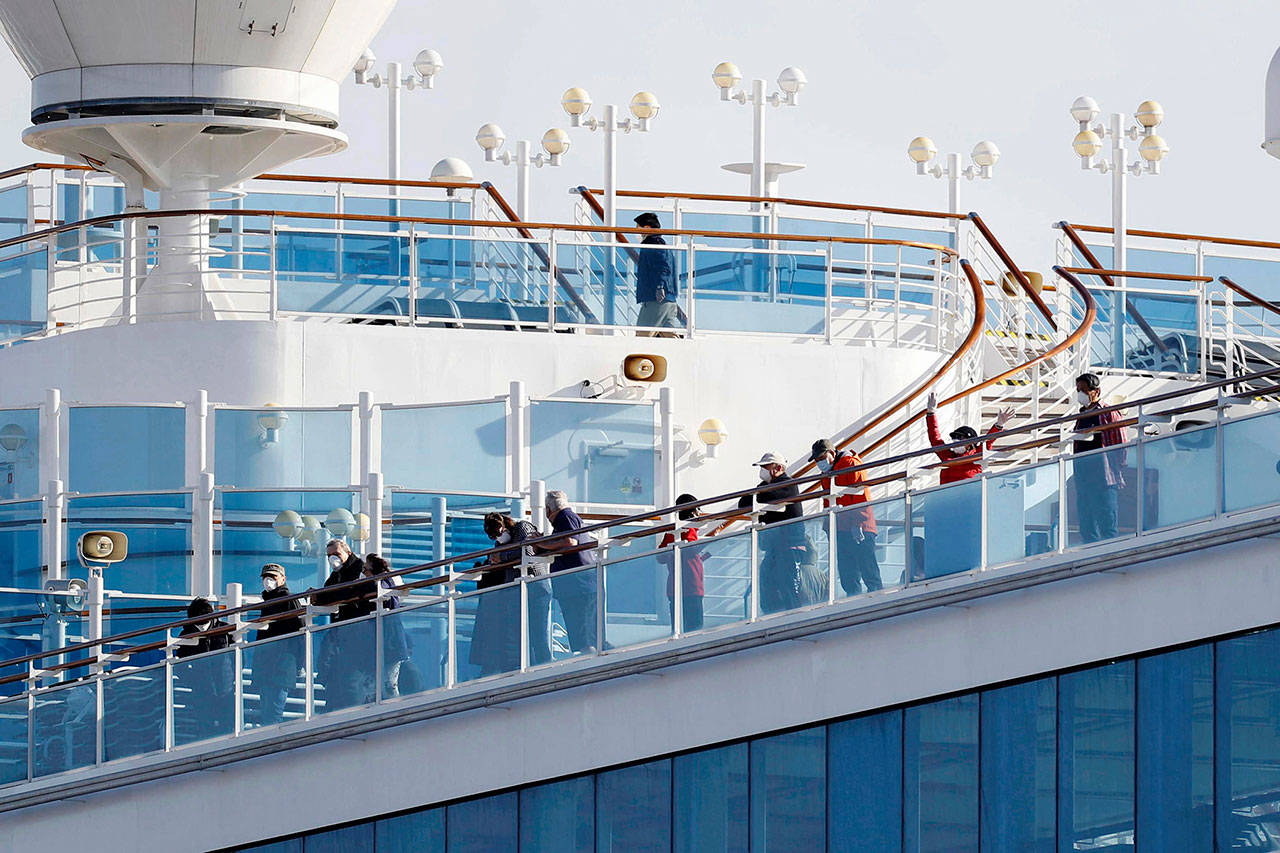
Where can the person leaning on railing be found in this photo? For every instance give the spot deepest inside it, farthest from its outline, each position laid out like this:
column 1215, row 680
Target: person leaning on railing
column 276, row 666
column 209, row 683
column 691, row 571
column 344, row 663
column 495, row 637
column 1099, row 477
column 855, row 543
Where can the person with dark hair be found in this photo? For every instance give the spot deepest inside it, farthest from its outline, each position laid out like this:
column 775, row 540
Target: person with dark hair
column 855, row 544
column 275, row 666
column 691, row 571
column 963, row 463
column 208, row 686
column 395, row 640
column 656, row 288
column 1098, row 476
column 345, row 662
column 495, row 638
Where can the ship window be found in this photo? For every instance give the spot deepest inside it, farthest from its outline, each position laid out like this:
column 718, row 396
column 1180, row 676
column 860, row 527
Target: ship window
column 126, row 448
column 410, row 833
column 264, row 17
column 864, row 765
column 557, row 816
column 633, row 808
column 1096, row 758
column 711, row 800
column 484, row 824
column 1019, row 767
column 1248, row 760
column 788, row 791
column 940, row 775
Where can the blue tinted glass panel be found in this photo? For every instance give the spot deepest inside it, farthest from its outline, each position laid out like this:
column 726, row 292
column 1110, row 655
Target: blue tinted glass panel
column 1022, row 508
column 633, row 808
column 483, row 826
column 788, row 791
column 1096, row 758
column 950, row 539
column 345, row 840
column 126, row 448
column 864, row 793
column 303, row 449
column 13, row 741
column 596, row 452
column 65, row 728
column 1181, row 470
column 159, row 531
column 1259, row 277
column 23, row 292
column 1175, row 750
column 1248, row 445
column 1019, row 772
column 411, row 538
column 1248, row 740
column 940, row 775
column 19, row 466
column 13, row 212
column 31, row 622
column 711, row 810
column 410, row 833
column 462, row 448
column 21, row 526
column 133, row 713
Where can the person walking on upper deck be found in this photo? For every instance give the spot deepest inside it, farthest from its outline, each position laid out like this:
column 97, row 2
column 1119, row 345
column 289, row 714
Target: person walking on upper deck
column 691, row 572
column 785, row 550
column 575, row 592
column 276, row 666
column 855, row 543
column 965, row 462
column 656, row 288
column 1099, row 477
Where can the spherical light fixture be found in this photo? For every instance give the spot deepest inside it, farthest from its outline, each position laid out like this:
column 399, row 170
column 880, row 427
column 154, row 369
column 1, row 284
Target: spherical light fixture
column 272, row 419
column 1087, row 143
column 922, row 150
column 985, row 154
column 428, row 64
column 726, row 75
column 361, row 532
column 576, row 101
column 1085, row 109
column 365, row 62
column 791, row 80
column 13, row 437
column 555, row 142
column 712, row 433
column 310, row 528
column 288, row 524
column 645, row 105
column 1153, row 148
column 451, row 169
column 340, row 522
column 1149, row 114
column 490, row 137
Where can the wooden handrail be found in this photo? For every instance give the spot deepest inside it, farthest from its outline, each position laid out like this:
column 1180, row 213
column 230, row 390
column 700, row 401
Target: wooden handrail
column 796, row 202
column 1089, row 256
column 1249, row 295
column 1173, row 235
column 1005, row 259
column 1160, row 276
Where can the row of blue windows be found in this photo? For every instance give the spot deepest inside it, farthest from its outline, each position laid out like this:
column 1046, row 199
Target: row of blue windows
column 1176, row 751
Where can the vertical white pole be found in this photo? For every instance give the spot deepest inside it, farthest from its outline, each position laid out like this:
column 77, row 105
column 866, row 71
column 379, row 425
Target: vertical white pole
column 1119, row 226
column 538, row 505
column 366, row 444
column 757, row 141
column 953, row 185
column 393, row 123
column 516, row 439
column 50, row 466
column 200, row 479
column 667, row 451
column 373, row 495
column 235, row 598
column 95, row 600
column 610, row 204
column 522, row 179
column 439, row 517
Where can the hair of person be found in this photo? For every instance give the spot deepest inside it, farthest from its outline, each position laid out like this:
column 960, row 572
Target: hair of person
column 199, row 607
column 557, row 500
column 497, row 522
column 686, row 514
column 377, row 563
column 1090, row 381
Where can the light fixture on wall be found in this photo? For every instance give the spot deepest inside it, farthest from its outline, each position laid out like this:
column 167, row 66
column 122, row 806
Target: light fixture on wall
column 711, row 433
column 288, row 526
column 13, row 438
column 340, row 522
column 271, row 421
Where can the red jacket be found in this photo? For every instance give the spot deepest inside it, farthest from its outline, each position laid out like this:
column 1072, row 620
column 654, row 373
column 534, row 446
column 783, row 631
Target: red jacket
column 690, row 563
column 849, row 459
column 956, row 471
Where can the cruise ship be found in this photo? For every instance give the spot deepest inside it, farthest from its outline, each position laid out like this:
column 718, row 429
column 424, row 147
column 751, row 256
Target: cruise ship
column 372, row 513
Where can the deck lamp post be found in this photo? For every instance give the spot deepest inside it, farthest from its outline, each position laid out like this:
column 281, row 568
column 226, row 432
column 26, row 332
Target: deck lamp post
column 644, row 106
column 426, row 65
column 555, row 142
column 791, row 81
column 924, row 154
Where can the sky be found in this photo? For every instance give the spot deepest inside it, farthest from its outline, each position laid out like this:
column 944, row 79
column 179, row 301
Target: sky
column 879, row 75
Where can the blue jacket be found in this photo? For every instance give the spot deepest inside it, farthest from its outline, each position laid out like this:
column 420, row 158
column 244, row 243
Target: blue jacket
column 654, row 271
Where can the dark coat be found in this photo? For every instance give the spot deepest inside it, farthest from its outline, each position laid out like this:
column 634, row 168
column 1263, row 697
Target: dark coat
column 495, row 635
column 783, row 488
column 655, row 270
column 203, row 644
column 350, row 605
column 270, row 607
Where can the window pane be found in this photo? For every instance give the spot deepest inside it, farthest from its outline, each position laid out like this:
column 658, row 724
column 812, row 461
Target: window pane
column 864, row 795
column 558, row 816
column 711, row 800
column 483, row 826
column 21, row 528
column 596, row 452
column 126, row 448
column 940, row 775
column 476, row 436
column 1248, row 760
column 633, row 808
column 1244, row 442
column 1175, row 750
column 358, row 837
column 298, row 448
column 410, row 833
column 1019, row 749
column 1095, row 758
column 788, row 791
column 19, row 467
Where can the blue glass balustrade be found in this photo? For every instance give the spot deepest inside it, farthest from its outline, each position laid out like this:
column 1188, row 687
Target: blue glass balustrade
column 246, row 537
column 24, row 300
column 461, row 448
column 21, row 528
column 19, row 453
column 126, row 448
column 602, row 453
column 279, row 448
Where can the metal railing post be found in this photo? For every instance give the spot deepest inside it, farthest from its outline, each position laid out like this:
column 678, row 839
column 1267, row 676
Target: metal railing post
column 413, row 274
column 1062, row 503
column 375, row 511
column 451, row 646
column 829, row 282
column 690, row 284
column 517, row 436
column 753, row 569
column 439, row 527
column 602, row 590
column 50, row 469
column 169, row 738
column 524, row 612
column 273, row 287
column 308, row 663
column 234, row 599
column 908, row 536
column 832, row 548
column 551, row 282
column 379, row 667
column 984, row 520
column 677, row 578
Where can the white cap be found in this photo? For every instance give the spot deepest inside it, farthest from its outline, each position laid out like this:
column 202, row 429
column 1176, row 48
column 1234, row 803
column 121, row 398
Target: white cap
column 772, row 458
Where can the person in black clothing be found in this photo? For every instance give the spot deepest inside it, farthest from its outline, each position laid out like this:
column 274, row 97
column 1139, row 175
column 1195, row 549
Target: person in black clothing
column 495, row 638
column 575, row 592
column 785, row 550
column 209, row 692
column 345, row 662
column 656, row 288
column 276, row 665
column 395, row 640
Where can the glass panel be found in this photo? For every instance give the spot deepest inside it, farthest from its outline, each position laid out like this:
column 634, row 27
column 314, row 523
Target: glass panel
column 757, row 291
column 1102, row 496
column 788, row 791
column 344, row 840
column 573, row 629
column 633, row 808
column 870, row 547
column 952, row 521
column 1175, row 750
column 710, row 795
column 1248, row 740
column 204, row 696
column 126, row 448
column 290, row 845
column 448, row 447
column 426, row 636
column 1096, row 758
column 410, row 833
column 24, row 294
column 274, row 449
column 13, row 212
column 1182, row 469
column 488, row 824
column 596, row 452
column 636, row 605
column 1019, row 767
column 793, row 568
column 1159, row 332
column 558, row 816
column 364, row 274
column 1022, row 513
column 493, row 630
column 276, row 690
column 940, row 775
column 13, row 741
column 66, row 723
column 726, row 566
column 1260, row 277
column 246, row 538
column 864, row 801
column 411, row 540
column 133, row 713
column 1244, row 443
column 21, row 526
column 159, row 531
column 344, row 665
column 19, row 451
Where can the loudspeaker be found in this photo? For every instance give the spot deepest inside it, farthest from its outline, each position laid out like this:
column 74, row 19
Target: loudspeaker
column 102, row 546
column 644, row 368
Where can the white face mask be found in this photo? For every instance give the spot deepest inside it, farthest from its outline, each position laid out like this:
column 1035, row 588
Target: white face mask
column 1083, row 398
column 504, row 537
column 335, row 561
column 764, row 474
column 270, row 584
column 824, row 466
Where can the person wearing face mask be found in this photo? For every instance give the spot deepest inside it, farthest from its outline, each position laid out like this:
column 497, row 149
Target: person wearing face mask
column 276, row 666
column 785, row 550
column 495, row 641
column 576, row 593
column 691, row 568
column 964, row 462
column 345, row 663
column 1098, row 477
column 855, row 528
column 206, row 687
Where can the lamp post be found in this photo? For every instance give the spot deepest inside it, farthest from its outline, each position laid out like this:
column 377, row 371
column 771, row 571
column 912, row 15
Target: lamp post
column 1151, row 150
column 790, row 81
column 984, row 157
column 644, row 107
column 555, row 142
column 426, row 65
